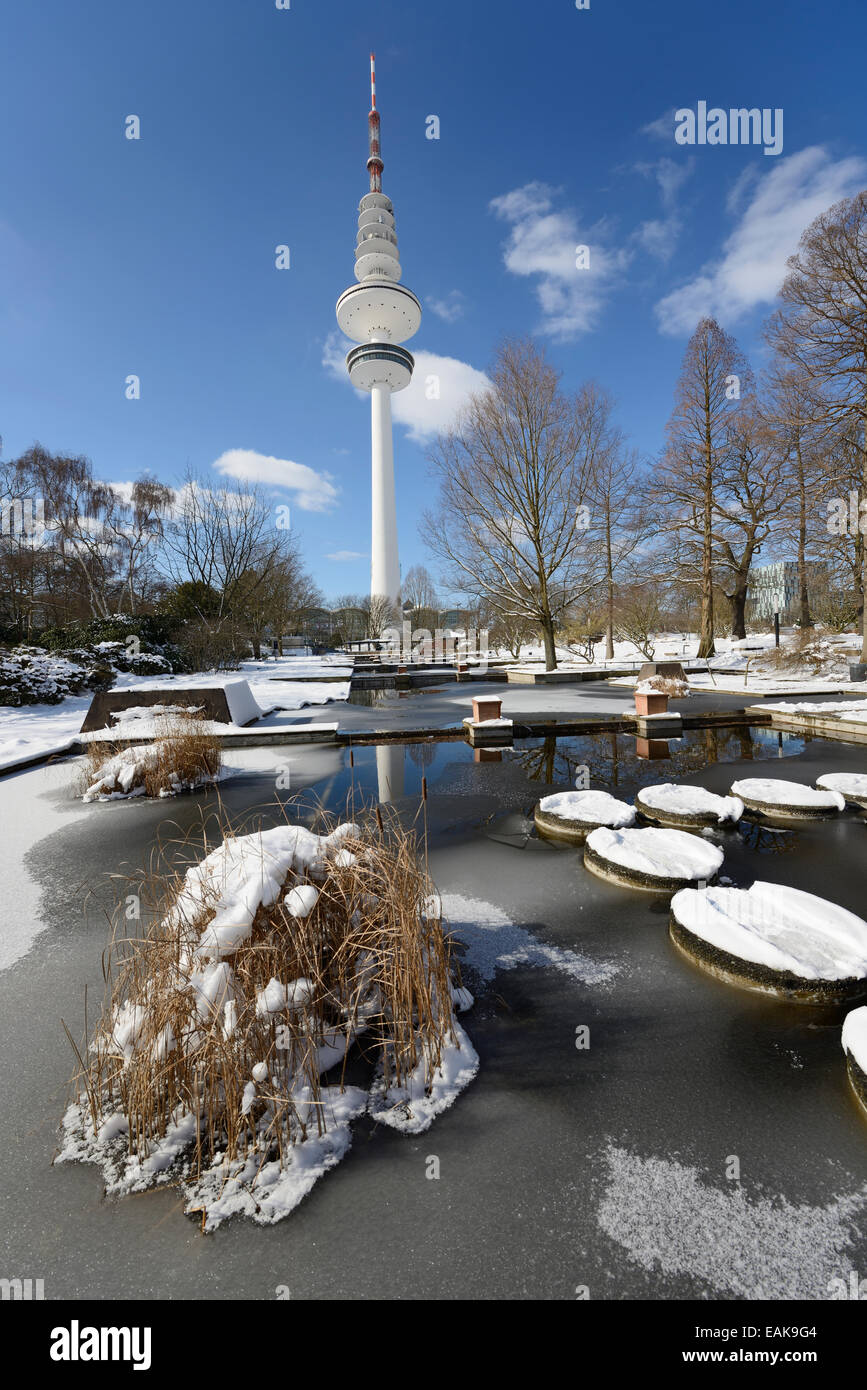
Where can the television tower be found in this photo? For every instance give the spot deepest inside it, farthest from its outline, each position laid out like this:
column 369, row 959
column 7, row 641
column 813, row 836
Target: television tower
column 379, row 314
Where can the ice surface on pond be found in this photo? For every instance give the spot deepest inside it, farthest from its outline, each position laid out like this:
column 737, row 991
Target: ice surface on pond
column 692, row 801
column 854, row 1036
column 658, row 853
column 778, row 927
column 671, row 1221
column 775, row 792
column 595, row 807
column 495, row 943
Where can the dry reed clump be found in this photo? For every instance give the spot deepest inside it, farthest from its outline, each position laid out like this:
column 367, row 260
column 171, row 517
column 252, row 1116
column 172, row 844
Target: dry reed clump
column 672, row 686
column 804, row 650
column 184, row 755
column 211, row 1057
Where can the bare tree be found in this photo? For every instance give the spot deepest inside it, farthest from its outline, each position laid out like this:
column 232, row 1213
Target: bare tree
column 795, row 412
column 822, row 325
column 513, row 475
column 419, row 590
column 226, row 540
column 712, row 375
column 615, row 513
column 752, row 493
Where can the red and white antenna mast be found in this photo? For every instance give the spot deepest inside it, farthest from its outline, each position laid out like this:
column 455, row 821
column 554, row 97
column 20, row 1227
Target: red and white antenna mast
column 374, row 163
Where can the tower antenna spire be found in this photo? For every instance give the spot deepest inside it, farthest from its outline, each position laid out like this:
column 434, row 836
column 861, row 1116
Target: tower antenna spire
column 374, row 163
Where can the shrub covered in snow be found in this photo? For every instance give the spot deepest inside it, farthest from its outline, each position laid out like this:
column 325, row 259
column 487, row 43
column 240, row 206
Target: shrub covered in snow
column 264, row 964
column 33, row 676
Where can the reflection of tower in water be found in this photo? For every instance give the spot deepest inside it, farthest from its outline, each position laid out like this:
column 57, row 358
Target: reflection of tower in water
column 390, row 771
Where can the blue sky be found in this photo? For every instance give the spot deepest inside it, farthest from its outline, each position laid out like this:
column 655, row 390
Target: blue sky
column 156, row 257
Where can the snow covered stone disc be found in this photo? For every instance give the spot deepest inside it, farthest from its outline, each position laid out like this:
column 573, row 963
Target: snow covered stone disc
column 776, row 800
column 774, row 939
column 854, row 1042
column 572, row 815
column 659, row 861
column 852, row 786
column 671, row 804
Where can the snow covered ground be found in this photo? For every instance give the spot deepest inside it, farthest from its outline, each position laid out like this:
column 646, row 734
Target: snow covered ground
column 283, row 684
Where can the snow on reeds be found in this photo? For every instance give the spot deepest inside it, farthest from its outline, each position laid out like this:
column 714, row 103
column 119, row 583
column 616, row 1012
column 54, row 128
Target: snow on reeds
column 182, row 757
column 219, row 1060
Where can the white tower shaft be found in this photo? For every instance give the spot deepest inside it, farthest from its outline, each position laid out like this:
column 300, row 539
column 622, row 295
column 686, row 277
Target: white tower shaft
column 384, row 564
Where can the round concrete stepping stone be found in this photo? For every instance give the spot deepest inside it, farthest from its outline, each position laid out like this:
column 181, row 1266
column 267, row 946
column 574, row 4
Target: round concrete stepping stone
column 851, row 785
column 668, row 803
column 777, row 800
column 773, row 939
column 854, row 1041
column 572, row 815
column 656, row 860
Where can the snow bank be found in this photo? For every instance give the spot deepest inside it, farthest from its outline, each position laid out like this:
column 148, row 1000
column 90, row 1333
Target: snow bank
column 774, row 791
column 691, row 801
column 656, row 853
column 593, row 807
column 854, row 1036
column 783, row 929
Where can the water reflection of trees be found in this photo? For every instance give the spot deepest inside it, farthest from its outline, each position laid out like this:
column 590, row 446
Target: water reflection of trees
column 613, row 761
column 765, row 839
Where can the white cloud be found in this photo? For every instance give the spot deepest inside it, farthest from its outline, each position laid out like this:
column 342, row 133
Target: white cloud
column 659, row 236
column 433, row 400
column 663, row 127
column 543, row 243
column 670, row 174
column 334, row 351
column 339, row 556
column 450, row 308
column 314, row 492
column 455, row 381
column 753, row 264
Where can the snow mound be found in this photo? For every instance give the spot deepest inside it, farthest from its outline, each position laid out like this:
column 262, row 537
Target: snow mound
column 658, row 853
column 773, row 791
column 777, row 927
column 245, row 874
column 691, row 801
column 854, row 1037
column 850, row 785
column 594, row 807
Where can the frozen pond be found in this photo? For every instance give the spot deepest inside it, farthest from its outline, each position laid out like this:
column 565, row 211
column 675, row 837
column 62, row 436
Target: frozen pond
column 559, row 1168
